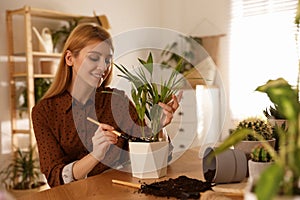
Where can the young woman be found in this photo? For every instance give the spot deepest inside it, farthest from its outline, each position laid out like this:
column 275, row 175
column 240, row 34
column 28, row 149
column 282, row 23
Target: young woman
column 70, row 147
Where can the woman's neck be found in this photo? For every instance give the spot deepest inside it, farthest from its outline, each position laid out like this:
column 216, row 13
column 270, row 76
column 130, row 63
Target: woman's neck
column 80, row 90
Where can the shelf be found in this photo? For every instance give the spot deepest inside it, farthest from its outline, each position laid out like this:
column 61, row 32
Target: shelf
column 21, row 131
column 48, row 14
column 22, row 55
column 24, row 75
column 27, row 64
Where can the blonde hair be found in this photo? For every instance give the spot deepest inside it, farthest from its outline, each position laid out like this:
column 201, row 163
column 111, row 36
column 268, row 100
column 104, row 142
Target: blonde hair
column 80, row 37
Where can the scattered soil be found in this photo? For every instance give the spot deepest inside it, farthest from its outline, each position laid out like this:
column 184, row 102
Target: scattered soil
column 180, row 188
column 209, row 175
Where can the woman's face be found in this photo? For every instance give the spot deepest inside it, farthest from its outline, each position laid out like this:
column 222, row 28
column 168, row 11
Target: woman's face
column 93, row 64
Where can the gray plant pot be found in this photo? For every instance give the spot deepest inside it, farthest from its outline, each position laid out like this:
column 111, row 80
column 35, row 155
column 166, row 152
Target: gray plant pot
column 227, row 167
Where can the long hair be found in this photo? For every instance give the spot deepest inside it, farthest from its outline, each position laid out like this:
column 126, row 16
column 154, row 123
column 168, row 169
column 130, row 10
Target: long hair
column 82, row 35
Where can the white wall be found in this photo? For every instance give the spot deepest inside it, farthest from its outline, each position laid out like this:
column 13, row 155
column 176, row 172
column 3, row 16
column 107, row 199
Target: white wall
column 192, row 17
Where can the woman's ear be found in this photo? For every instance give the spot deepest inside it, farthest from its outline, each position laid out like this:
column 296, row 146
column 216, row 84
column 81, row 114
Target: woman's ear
column 69, row 58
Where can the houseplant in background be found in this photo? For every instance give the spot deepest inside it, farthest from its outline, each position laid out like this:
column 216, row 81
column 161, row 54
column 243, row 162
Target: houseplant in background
column 59, row 36
column 188, row 47
column 276, row 120
column 22, row 176
column 259, row 161
column 146, row 94
column 260, row 127
column 41, row 85
column 281, row 178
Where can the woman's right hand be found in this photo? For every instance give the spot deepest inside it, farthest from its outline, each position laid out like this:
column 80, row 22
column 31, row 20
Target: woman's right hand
column 102, row 139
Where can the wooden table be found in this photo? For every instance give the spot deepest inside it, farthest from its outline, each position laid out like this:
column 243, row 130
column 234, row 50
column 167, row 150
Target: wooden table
column 101, row 186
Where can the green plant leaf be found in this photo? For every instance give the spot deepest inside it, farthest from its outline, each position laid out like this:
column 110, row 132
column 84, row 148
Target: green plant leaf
column 148, row 64
column 282, row 94
column 269, row 183
column 233, row 139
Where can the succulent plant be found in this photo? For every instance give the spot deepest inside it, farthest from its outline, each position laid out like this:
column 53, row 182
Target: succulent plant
column 260, row 126
column 260, row 154
column 273, row 113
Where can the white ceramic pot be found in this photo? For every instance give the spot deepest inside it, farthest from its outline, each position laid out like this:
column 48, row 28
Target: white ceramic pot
column 250, row 195
column 256, row 168
column 149, row 160
column 227, row 167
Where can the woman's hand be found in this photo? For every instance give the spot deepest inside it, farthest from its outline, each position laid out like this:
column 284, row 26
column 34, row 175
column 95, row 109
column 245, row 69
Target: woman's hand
column 170, row 108
column 102, row 139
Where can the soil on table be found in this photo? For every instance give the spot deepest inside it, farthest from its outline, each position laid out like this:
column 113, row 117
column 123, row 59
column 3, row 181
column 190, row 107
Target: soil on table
column 180, row 188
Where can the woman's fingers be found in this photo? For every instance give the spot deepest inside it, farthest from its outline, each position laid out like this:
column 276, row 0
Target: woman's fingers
column 170, row 108
column 176, row 100
column 104, row 134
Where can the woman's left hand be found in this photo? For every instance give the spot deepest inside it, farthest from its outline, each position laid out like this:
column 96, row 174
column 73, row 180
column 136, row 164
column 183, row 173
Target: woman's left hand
column 170, row 108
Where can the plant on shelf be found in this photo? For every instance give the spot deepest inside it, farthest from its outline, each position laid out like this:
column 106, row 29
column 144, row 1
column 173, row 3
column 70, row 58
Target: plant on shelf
column 61, row 35
column 170, row 59
column 23, row 173
column 189, row 51
column 41, row 85
column 146, row 94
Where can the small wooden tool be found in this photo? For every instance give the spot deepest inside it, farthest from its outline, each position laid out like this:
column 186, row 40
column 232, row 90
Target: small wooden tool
column 121, row 135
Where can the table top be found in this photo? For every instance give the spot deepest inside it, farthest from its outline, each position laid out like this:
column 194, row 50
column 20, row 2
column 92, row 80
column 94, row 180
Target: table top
column 101, row 186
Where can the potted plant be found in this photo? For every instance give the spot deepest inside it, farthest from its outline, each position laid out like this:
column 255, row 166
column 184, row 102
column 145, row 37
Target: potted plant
column 249, row 141
column 41, row 85
column 197, row 66
column 60, row 36
column 259, row 161
column 282, row 177
column 276, row 119
column 146, row 94
column 22, row 175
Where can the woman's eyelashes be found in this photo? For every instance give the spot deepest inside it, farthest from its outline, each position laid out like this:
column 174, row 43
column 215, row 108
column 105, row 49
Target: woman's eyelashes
column 94, row 57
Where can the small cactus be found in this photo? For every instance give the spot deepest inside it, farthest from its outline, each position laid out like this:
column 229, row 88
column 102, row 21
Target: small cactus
column 260, row 126
column 260, row 154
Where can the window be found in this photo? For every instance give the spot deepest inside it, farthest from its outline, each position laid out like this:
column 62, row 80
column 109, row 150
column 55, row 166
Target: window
column 262, row 46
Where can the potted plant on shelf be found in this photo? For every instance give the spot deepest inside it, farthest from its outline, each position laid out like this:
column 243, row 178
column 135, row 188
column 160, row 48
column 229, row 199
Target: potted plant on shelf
column 41, row 85
column 260, row 160
column 249, row 141
column 60, row 36
column 22, row 176
column 281, row 178
column 146, row 94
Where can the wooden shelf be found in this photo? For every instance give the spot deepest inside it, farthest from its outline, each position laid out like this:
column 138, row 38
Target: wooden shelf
column 24, row 75
column 21, row 131
column 48, row 14
column 23, row 64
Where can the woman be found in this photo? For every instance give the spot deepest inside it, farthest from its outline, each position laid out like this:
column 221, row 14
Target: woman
column 70, row 147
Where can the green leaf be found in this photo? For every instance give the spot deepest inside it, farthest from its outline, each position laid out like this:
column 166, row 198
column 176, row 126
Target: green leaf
column 148, row 64
column 269, row 183
column 282, row 94
column 233, row 139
